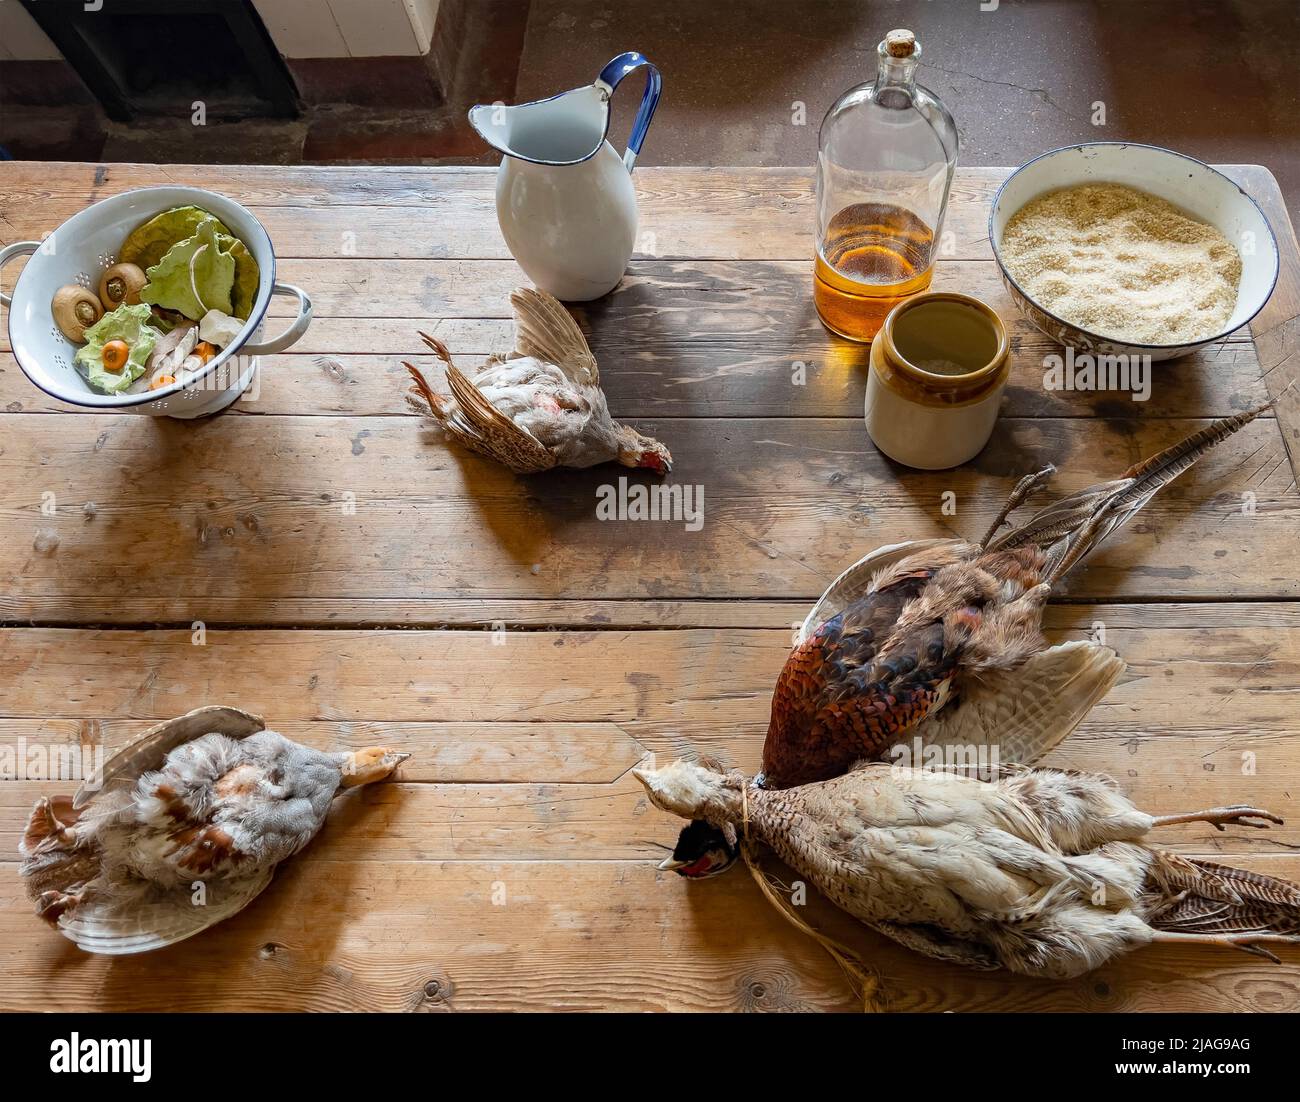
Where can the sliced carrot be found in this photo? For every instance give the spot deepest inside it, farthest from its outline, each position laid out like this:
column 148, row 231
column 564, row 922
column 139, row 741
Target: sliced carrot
column 162, row 381
column 115, row 355
column 205, row 351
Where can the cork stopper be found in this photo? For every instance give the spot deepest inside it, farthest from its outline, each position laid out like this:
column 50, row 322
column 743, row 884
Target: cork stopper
column 900, row 43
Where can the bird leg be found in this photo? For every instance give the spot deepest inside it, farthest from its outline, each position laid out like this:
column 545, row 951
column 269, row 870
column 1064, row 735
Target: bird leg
column 1247, row 942
column 424, row 391
column 45, row 831
column 1024, row 488
column 53, row 904
column 437, row 404
column 435, row 346
column 1218, row 816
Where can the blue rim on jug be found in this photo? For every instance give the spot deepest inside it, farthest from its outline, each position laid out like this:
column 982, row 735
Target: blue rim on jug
column 510, row 129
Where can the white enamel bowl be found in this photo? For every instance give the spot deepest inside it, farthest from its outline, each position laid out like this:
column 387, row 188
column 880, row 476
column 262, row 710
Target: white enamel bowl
column 81, row 249
column 1184, row 181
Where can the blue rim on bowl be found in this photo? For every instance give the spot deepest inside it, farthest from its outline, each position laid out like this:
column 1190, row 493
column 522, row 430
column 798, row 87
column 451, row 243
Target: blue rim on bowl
column 1103, row 338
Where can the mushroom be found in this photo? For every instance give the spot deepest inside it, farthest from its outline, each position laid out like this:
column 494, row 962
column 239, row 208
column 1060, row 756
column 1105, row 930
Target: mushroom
column 122, row 283
column 75, row 310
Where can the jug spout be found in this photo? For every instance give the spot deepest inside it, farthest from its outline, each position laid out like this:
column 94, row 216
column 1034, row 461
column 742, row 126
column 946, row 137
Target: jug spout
column 569, row 128
column 564, row 130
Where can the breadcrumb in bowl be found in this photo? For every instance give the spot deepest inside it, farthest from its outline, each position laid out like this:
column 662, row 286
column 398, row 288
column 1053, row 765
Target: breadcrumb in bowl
column 1096, row 294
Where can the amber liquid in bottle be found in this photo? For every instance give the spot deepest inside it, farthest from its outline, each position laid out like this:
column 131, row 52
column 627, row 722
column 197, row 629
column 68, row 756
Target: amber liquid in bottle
column 874, row 256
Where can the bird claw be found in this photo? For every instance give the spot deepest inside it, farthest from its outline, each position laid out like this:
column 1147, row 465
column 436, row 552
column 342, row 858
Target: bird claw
column 1241, row 816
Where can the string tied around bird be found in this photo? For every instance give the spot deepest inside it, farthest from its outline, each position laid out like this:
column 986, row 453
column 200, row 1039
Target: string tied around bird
column 864, row 980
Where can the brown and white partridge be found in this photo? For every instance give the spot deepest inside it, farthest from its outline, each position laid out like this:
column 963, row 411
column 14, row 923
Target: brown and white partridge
column 539, row 407
column 183, row 829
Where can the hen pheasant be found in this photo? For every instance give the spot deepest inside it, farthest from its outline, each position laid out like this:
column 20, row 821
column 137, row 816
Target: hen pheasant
column 1040, row 871
column 184, row 828
column 940, row 641
column 539, row 407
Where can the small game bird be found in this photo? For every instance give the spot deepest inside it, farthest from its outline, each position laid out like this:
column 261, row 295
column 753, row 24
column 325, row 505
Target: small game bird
column 940, row 641
column 1040, row 871
column 539, row 407
column 183, row 829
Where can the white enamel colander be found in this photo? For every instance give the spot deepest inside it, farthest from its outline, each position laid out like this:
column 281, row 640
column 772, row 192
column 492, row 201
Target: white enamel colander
column 81, row 249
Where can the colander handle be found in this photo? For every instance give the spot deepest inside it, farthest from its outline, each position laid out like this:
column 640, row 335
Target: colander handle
column 290, row 335
column 18, row 248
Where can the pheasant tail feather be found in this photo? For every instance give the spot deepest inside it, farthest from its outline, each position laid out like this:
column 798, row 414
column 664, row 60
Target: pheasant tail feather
column 1069, row 529
column 1201, row 897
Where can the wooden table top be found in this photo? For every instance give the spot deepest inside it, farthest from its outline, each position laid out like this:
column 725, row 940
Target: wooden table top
column 349, row 570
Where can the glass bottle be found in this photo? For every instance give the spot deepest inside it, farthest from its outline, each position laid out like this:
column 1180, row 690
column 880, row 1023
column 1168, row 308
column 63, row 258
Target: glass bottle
column 884, row 166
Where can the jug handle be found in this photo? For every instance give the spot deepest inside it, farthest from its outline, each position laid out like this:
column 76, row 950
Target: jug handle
column 612, row 74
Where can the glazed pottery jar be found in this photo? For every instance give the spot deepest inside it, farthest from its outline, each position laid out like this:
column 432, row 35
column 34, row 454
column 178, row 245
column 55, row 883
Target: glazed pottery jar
column 938, row 369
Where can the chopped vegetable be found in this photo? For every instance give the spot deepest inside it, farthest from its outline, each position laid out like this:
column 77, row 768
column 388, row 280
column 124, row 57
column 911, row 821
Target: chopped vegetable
column 194, row 277
column 148, row 243
column 114, row 356
column 218, row 328
column 128, row 325
column 248, row 276
column 75, row 310
column 160, row 381
column 205, row 351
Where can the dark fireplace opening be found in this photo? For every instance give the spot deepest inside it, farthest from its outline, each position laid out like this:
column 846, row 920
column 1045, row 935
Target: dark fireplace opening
column 159, row 57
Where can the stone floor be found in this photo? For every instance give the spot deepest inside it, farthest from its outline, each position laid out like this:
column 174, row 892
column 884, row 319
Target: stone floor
column 1213, row 78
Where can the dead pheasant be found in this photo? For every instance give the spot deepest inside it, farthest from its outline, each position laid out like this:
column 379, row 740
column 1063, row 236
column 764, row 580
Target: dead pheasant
column 185, row 827
column 1041, row 871
column 940, row 640
column 539, row 407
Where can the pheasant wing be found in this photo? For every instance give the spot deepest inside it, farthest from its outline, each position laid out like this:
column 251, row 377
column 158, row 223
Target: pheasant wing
column 855, row 582
column 147, row 752
column 933, row 942
column 838, row 702
column 546, row 331
column 483, row 427
column 1026, row 711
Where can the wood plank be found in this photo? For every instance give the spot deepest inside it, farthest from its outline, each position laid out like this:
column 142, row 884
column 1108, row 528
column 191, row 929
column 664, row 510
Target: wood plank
column 426, row 213
column 1277, row 327
column 575, row 935
column 54, row 749
column 695, row 340
column 319, row 212
column 260, row 507
column 487, row 614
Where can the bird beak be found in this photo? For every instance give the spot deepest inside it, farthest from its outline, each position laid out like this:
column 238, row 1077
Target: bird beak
column 669, row 864
column 398, row 758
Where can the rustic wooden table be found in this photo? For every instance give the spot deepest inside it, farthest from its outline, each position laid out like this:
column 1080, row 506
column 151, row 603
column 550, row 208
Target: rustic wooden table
column 350, row 570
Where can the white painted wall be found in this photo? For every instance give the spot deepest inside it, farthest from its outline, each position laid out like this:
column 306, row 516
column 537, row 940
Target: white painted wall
column 21, row 39
column 299, row 28
column 349, row 28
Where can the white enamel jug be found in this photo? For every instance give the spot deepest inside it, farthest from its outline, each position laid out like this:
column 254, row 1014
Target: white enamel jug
column 565, row 199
